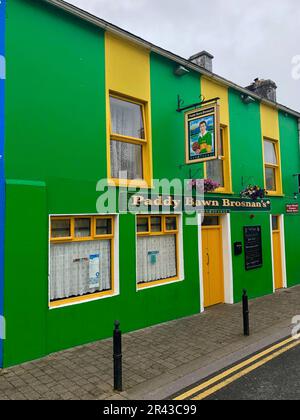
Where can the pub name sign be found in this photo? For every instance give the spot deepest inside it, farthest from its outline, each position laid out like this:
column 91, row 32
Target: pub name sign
column 144, row 202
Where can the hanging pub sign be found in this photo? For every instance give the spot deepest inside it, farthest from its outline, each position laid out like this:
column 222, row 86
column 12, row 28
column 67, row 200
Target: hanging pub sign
column 202, row 133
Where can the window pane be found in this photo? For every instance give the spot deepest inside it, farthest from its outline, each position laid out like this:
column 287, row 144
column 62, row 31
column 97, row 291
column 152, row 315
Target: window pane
column 142, row 225
column 211, row 221
column 171, row 223
column 79, row 268
column 275, row 223
column 215, row 171
column 270, row 153
column 126, row 118
column 103, row 227
column 60, row 228
column 270, row 179
column 126, row 160
column 82, row 228
column 156, row 224
column 156, row 258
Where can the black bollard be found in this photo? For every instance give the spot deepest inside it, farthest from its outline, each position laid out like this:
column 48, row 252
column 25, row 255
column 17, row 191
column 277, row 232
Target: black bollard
column 246, row 314
column 118, row 386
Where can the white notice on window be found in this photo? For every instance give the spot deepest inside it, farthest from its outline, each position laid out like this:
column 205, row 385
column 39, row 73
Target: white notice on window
column 94, row 271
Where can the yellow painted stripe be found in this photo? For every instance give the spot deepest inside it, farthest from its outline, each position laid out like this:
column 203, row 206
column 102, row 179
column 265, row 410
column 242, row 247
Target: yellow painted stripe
column 232, row 370
column 245, row 372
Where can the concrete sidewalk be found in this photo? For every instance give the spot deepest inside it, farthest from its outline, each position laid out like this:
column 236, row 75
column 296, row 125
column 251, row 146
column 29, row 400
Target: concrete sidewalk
column 158, row 361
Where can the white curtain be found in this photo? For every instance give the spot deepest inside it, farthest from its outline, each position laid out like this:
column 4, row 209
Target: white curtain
column 214, row 171
column 69, row 268
column 126, row 157
column 156, row 258
column 126, row 118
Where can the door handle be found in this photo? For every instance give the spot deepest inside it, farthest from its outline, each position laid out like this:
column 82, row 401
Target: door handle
column 208, row 259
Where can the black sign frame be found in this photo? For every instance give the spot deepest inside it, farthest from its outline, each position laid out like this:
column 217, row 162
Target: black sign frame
column 253, row 247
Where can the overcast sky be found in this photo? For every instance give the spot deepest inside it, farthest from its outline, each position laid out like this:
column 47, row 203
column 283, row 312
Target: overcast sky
column 249, row 38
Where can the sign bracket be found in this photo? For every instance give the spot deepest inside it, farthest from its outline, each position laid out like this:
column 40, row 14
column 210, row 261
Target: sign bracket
column 181, row 108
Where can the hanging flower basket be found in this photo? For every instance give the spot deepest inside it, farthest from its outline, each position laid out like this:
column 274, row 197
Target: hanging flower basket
column 254, row 193
column 203, row 186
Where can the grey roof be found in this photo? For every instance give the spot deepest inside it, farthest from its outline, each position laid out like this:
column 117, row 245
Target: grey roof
column 74, row 10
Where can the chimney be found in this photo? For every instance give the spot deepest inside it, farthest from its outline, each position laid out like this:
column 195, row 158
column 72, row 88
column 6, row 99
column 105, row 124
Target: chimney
column 264, row 88
column 203, row 59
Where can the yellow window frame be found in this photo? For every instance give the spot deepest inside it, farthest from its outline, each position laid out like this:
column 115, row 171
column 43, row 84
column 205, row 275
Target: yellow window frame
column 277, row 168
column 146, row 144
column 226, row 160
column 94, row 237
column 164, row 232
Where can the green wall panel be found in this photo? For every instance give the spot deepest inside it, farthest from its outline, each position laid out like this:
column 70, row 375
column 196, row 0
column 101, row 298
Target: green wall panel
column 246, row 143
column 258, row 282
column 26, row 271
column 290, row 161
column 168, row 131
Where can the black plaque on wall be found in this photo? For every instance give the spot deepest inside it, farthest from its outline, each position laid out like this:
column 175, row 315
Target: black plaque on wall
column 253, row 247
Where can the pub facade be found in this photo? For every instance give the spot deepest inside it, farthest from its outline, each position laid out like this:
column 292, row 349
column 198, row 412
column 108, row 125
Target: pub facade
column 95, row 112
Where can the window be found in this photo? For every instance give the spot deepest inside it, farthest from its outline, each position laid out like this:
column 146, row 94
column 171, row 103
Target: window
column 219, row 170
column 81, row 255
column 275, row 223
column 211, row 221
column 272, row 167
column 129, row 145
column 157, row 250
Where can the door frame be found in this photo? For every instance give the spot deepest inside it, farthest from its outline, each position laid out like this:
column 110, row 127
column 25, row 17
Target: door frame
column 227, row 259
column 283, row 251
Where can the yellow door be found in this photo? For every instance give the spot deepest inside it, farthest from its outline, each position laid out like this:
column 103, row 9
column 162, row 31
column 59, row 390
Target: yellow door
column 277, row 254
column 213, row 277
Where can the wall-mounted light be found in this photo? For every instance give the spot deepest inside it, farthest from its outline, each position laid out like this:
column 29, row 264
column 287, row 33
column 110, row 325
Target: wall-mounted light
column 181, row 71
column 247, row 99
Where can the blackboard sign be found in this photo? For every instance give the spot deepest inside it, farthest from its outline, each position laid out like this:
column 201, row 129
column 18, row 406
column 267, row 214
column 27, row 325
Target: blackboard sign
column 253, row 247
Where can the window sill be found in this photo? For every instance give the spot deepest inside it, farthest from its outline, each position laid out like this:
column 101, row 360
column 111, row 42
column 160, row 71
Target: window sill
column 126, row 183
column 274, row 194
column 221, row 191
column 152, row 284
column 81, row 299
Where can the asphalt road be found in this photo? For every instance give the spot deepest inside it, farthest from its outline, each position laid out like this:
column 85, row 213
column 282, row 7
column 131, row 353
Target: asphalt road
column 276, row 380
column 272, row 374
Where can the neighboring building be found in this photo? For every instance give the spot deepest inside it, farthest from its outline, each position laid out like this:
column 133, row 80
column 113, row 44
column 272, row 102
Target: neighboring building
column 84, row 100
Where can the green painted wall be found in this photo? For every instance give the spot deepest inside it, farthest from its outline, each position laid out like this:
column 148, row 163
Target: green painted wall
column 247, row 168
column 168, row 129
column 290, row 161
column 246, row 143
column 61, row 141
column 56, row 149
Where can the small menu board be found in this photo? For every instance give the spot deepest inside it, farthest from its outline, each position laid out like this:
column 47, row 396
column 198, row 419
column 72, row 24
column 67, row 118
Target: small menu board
column 253, row 247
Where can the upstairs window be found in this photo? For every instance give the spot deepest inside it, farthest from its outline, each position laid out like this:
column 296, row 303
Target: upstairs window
column 129, row 149
column 272, row 166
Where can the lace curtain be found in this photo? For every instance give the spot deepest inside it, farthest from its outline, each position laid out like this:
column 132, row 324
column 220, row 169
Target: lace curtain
column 70, row 268
column 156, row 258
column 126, row 157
